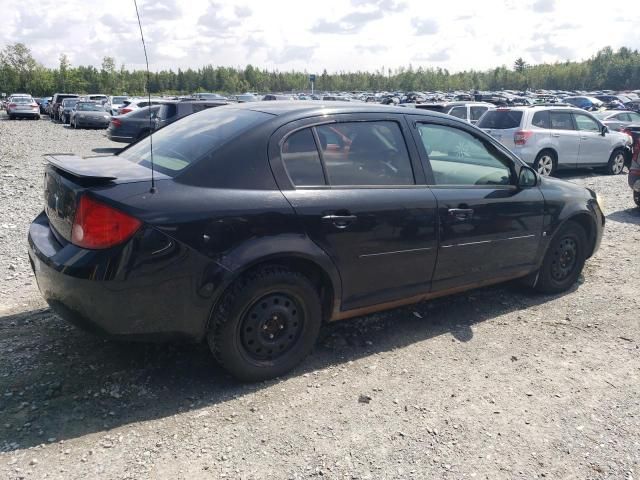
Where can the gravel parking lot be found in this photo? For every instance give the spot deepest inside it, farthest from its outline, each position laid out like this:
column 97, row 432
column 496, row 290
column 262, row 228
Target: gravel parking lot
column 495, row 383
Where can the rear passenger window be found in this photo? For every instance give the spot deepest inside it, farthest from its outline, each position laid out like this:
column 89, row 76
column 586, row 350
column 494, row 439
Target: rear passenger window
column 477, row 112
column 365, row 153
column 561, row 121
column 301, row 159
column 541, row 119
column 459, row 112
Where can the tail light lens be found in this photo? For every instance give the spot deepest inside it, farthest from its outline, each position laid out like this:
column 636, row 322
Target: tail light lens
column 12, row 105
column 97, row 225
column 115, row 123
column 125, row 110
column 521, row 137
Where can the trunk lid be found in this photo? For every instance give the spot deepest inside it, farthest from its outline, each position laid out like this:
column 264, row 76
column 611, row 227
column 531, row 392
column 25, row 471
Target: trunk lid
column 67, row 177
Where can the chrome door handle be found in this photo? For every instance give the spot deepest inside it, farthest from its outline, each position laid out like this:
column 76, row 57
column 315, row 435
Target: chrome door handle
column 556, row 135
column 584, row 138
column 340, row 221
column 461, row 213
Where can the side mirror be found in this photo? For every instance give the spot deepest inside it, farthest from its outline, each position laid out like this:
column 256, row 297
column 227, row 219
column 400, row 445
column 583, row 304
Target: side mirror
column 604, row 130
column 527, row 177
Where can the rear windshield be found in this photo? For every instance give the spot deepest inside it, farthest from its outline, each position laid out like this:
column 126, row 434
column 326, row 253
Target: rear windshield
column 21, row 100
column 182, row 143
column 142, row 112
column 118, row 99
column 501, row 119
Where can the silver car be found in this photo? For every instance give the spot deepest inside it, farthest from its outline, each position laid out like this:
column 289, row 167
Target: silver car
column 22, row 106
column 550, row 138
column 617, row 119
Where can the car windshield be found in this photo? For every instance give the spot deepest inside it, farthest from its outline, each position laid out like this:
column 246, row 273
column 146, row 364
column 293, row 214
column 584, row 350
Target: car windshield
column 118, row 99
column 89, row 107
column 501, row 119
column 69, row 103
column 182, row 143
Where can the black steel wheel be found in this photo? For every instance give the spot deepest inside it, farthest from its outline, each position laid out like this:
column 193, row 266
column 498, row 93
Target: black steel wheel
column 564, row 259
column 271, row 327
column 265, row 324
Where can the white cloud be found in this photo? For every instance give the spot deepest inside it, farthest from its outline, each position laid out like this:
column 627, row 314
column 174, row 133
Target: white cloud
column 337, row 35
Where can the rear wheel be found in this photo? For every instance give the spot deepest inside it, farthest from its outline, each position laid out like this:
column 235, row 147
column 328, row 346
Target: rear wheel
column 616, row 163
column 266, row 324
column 545, row 163
column 564, row 259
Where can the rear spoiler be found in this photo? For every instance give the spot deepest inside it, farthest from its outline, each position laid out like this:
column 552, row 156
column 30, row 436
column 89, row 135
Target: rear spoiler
column 76, row 166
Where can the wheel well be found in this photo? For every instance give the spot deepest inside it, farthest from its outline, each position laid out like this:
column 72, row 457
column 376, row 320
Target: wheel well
column 312, row 271
column 551, row 151
column 586, row 222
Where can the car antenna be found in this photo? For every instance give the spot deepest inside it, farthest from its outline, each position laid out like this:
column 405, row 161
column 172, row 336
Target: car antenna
column 146, row 59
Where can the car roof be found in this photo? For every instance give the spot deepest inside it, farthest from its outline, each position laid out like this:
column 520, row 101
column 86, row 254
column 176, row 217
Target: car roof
column 303, row 108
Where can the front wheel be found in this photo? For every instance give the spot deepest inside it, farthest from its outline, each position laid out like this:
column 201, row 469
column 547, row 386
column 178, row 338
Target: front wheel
column 545, row 163
column 266, row 324
column 564, row 259
column 616, row 163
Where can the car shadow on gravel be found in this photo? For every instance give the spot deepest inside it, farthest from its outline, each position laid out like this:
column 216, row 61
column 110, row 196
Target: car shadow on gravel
column 628, row 215
column 59, row 383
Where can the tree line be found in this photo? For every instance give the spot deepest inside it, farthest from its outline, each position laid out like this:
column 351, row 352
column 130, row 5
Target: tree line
column 20, row 72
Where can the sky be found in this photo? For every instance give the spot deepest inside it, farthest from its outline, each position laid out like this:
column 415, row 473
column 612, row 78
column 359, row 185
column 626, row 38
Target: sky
column 336, row 35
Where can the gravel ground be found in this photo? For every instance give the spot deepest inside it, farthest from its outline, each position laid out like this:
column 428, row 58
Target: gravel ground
column 496, row 383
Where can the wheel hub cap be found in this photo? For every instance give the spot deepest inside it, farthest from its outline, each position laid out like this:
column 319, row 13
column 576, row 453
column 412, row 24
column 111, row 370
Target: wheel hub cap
column 545, row 165
column 618, row 163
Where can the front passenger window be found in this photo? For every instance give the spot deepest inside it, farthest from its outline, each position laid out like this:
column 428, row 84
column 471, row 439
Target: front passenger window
column 586, row 124
column 459, row 158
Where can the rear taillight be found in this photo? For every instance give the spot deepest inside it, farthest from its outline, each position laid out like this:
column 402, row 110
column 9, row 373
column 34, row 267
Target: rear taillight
column 521, row 137
column 12, row 105
column 34, row 104
column 97, row 225
column 115, row 123
column 125, row 110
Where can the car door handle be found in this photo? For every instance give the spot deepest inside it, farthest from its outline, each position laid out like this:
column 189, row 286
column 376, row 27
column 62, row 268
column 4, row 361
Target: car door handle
column 556, row 135
column 340, row 221
column 461, row 213
column 584, row 138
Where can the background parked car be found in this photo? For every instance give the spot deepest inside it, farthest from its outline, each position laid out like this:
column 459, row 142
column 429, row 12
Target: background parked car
column 136, row 103
column 132, row 126
column 55, row 103
column 89, row 114
column 65, row 109
column 617, row 119
column 22, row 106
column 129, row 128
column 585, row 103
column 549, row 138
column 468, row 111
column 634, row 167
column 114, row 102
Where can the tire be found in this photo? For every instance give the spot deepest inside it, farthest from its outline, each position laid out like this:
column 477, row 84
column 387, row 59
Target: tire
column 266, row 324
column 546, row 163
column 564, row 259
column 616, row 163
column 636, row 198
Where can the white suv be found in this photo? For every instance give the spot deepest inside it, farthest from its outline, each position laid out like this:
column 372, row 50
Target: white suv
column 553, row 137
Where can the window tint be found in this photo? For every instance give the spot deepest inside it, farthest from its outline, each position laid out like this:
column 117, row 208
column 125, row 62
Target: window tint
column 624, row 117
column 301, row 159
column 459, row 112
column 501, row 119
column 477, row 112
column 192, row 139
column 587, row 124
column 459, row 158
column 561, row 121
column 541, row 119
column 365, row 153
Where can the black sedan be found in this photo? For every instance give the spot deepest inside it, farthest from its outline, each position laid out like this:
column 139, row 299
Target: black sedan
column 261, row 221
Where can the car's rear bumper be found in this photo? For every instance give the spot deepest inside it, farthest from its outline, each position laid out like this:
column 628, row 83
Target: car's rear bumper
column 119, row 138
column 146, row 289
column 24, row 114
